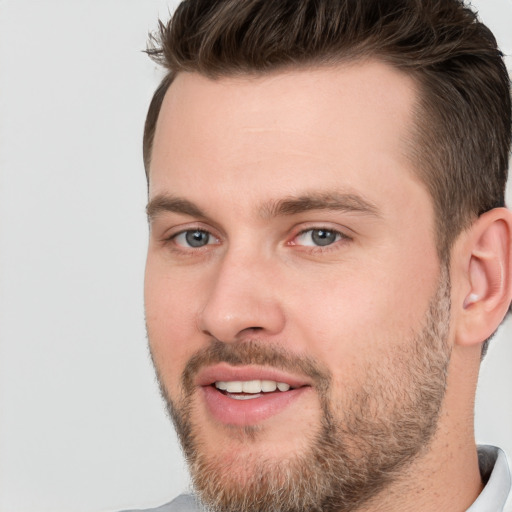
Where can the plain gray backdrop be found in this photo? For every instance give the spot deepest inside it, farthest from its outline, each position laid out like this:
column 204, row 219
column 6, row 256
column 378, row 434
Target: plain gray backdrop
column 82, row 427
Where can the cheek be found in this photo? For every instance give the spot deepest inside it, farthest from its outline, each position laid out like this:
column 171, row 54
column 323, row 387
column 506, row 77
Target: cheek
column 171, row 313
column 356, row 313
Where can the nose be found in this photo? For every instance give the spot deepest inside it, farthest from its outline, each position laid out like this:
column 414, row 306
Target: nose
column 243, row 300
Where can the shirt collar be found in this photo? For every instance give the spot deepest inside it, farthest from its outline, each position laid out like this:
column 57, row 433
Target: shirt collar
column 496, row 473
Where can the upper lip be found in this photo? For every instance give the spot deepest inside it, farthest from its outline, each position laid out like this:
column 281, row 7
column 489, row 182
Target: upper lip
column 227, row 373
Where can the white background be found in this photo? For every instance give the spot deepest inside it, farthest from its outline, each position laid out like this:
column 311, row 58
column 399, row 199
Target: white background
column 82, row 427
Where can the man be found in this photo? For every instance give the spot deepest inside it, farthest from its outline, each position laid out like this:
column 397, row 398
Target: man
column 329, row 251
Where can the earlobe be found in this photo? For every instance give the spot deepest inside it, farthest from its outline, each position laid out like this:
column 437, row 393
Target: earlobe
column 489, row 288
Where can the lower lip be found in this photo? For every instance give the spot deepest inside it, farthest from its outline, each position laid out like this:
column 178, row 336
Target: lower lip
column 231, row 411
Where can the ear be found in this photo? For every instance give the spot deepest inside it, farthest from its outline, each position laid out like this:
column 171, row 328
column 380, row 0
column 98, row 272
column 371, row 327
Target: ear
column 486, row 292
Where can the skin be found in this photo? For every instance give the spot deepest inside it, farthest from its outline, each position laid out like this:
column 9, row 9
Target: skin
column 235, row 147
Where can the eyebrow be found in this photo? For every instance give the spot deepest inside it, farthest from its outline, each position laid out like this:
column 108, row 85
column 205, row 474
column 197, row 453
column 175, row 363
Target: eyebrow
column 352, row 203
column 320, row 201
column 165, row 203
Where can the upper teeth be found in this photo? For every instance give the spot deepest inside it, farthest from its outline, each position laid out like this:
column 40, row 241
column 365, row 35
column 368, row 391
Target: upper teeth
column 251, row 386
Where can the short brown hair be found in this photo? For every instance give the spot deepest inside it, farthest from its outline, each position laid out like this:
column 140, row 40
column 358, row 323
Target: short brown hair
column 462, row 133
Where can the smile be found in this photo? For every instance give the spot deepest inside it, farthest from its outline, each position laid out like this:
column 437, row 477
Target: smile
column 249, row 389
column 248, row 395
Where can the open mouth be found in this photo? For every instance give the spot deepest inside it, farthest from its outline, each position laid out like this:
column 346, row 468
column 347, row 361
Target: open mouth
column 248, row 395
column 249, row 389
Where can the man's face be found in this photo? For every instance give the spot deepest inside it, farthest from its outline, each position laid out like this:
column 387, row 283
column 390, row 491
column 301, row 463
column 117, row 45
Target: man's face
column 292, row 246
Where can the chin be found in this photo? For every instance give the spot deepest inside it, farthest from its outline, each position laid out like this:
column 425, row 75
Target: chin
column 243, row 445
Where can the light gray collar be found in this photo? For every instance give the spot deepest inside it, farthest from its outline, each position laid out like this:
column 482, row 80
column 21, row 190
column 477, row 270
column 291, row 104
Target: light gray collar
column 496, row 473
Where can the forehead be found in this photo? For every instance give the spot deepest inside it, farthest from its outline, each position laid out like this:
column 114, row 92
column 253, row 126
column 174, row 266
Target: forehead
column 345, row 126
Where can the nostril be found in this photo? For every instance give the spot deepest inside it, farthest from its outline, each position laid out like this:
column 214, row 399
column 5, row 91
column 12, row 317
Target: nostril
column 249, row 331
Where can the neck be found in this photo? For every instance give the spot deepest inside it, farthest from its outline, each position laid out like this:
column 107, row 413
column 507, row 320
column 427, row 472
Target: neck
column 446, row 475
column 434, row 483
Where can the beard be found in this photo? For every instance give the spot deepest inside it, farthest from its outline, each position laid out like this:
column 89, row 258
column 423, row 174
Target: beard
column 364, row 441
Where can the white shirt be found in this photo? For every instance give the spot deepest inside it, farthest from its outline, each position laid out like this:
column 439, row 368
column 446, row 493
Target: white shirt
column 495, row 470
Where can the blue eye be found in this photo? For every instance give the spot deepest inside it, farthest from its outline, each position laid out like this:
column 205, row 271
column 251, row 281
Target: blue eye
column 194, row 238
column 318, row 237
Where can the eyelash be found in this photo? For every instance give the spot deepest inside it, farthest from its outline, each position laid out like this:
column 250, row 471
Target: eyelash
column 182, row 248
column 338, row 235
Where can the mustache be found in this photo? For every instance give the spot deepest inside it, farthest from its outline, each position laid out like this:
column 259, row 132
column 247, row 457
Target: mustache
column 254, row 352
